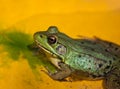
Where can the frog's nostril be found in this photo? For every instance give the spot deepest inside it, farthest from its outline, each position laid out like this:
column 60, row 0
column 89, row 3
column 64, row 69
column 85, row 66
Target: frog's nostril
column 41, row 36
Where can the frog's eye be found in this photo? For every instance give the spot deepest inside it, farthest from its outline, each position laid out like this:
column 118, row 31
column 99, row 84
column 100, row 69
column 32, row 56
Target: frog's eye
column 52, row 39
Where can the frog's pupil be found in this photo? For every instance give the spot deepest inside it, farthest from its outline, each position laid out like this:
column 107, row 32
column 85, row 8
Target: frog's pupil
column 51, row 39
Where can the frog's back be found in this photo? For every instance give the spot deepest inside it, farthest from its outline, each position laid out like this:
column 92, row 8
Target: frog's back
column 101, row 46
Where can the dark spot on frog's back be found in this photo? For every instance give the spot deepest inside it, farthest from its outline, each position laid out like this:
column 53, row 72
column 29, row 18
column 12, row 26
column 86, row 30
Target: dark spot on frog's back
column 107, row 67
column 79, row 56
column 89, row 68
column 110, row 62
column 82, row 42
column 114, row 58
column 116, row 49
column 100, row 65
column 106, row 50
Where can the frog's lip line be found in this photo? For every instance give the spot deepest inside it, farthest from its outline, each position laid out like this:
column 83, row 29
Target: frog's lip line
column 46, row 50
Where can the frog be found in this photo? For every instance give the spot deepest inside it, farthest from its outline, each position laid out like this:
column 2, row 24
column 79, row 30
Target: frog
column 89, row 58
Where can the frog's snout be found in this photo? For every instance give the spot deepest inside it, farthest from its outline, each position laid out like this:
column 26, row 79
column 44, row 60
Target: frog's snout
column 37, row 35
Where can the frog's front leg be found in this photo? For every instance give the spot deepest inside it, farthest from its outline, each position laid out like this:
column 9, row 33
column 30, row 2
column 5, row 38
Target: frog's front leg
column 61, row 73
column 112, row 80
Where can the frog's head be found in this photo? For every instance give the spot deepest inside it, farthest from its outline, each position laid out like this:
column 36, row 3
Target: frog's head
column 53, row 42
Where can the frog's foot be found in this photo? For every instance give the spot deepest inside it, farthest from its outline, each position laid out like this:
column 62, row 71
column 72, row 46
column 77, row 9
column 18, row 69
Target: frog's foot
column 112, row 81
column 61, row 73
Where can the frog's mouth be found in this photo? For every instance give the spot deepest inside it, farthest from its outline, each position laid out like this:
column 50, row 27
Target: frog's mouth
column 45, row 49
column 53, row 58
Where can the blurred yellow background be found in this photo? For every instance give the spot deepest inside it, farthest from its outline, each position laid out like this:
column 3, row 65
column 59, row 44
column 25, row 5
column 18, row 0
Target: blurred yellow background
column 99, row 18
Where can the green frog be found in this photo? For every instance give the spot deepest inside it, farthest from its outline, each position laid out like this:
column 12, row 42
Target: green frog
column 90, row 59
